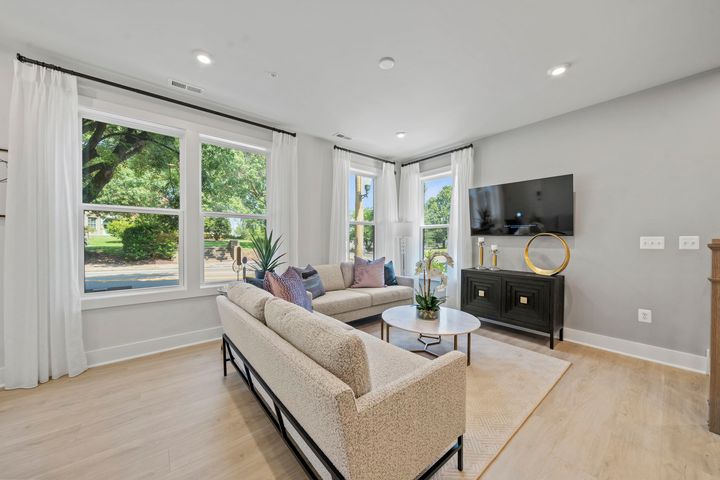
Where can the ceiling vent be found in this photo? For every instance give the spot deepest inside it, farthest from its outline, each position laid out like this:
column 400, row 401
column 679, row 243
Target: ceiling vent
column 341, row 136
column 185, row 86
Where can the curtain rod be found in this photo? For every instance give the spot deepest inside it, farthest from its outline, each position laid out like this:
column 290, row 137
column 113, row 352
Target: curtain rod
column 50, row 66
column 469, row 145
column 363, row 155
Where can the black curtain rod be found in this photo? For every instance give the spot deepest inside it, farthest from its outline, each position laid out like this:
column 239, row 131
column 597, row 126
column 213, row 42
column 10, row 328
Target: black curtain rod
column 364, row 155
column 24, row 59
column 469, row 145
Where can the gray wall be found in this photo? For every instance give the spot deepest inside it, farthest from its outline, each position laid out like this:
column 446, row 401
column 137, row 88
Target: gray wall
column 645, row 164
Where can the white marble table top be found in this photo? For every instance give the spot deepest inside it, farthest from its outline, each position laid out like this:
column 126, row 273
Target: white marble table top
column 449, row 322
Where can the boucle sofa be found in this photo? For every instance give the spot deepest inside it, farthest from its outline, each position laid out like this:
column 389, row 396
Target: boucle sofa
column 348, row 404
column 347, row 304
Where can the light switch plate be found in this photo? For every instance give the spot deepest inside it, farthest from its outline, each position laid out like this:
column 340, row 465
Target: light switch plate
column 652, row 243
column 644, row 315
column 689, row 243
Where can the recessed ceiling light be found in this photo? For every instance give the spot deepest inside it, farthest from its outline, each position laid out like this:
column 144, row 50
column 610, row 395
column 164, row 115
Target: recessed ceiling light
column 400, row 134
column 386, row 63
column 559, row 70
column 203, row 57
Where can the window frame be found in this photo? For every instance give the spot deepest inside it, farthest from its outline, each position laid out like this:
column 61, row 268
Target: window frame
column 370, row 173
column 175, row 212
column 236, row 144
column 192, row 127
column 429, row 175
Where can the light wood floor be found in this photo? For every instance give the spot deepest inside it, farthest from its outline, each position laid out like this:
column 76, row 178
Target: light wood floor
column 173, row 415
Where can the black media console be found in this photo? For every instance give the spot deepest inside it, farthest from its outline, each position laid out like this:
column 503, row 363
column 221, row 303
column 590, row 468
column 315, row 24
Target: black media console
column 520, row 300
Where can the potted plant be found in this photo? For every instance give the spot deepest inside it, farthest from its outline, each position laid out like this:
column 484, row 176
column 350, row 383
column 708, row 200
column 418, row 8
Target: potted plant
column 266, row 253
column 428, row 305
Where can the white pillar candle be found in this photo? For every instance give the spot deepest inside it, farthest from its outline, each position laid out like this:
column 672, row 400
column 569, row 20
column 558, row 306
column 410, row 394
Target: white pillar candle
column 481, row 240
column 493, row 247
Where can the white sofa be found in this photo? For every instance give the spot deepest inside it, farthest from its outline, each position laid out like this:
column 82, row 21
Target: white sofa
column 403, row 417
column 345, row 303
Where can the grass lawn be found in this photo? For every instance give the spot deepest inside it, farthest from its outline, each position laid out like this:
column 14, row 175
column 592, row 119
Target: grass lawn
column 104, row 245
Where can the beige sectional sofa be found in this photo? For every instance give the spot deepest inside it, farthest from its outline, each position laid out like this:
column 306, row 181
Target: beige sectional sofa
column 370, row 409
column 345, row 303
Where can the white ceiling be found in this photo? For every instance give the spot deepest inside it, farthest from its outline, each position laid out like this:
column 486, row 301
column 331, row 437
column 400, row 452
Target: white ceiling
column 465, row 69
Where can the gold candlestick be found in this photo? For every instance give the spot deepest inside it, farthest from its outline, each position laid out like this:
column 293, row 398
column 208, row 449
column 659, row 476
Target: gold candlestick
column 495, row 252
column 481, row 253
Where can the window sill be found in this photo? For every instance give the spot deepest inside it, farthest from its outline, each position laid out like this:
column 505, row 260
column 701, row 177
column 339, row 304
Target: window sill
column 99, row 300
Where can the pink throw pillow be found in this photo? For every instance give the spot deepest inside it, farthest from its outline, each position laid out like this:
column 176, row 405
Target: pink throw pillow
column 289, row 287
column 369, row 274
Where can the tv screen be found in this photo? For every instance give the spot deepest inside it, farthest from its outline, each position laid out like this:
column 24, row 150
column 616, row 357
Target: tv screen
column 523, row 208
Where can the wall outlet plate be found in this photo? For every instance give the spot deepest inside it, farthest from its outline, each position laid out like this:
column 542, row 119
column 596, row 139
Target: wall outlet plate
column 644, row 315
column 652, row 243
column 689, row 243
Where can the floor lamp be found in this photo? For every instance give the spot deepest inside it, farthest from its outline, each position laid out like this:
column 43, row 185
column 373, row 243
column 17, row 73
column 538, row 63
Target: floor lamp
column 403, row 231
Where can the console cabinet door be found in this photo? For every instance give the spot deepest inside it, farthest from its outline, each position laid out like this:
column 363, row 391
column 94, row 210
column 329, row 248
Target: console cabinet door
column 482, row 295
column 527, row 302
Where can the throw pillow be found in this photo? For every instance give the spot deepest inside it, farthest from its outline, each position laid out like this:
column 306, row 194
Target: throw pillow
column 289, row 287
column 390, row 277
column 312, row 281
column 369, row 274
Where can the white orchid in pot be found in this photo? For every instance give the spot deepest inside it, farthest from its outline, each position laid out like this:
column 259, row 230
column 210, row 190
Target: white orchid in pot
column 428, row 305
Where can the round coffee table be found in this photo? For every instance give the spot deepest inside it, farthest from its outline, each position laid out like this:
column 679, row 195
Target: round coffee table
column 450, row 322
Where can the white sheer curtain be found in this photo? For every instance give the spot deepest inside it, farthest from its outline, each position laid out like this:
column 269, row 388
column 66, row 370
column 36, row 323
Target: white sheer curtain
column 282, row 192
column 459, row 240
column 42, row 313
column 339, row 211
column 410, row 210
column 386, row 216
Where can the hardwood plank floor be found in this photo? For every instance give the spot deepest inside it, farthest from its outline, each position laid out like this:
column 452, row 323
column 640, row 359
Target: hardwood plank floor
column 173, row 415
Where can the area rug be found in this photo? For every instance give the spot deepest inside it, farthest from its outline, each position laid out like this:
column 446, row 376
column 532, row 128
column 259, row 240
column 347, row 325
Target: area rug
column 505, row 384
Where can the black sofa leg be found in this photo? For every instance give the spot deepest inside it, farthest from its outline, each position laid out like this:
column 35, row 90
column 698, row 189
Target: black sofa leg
column 460, row 453
column 225, row 359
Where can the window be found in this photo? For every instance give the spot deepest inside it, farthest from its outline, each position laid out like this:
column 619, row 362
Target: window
column 131, row 206
column 437, row 195
column 233, row 205
column 361, row 204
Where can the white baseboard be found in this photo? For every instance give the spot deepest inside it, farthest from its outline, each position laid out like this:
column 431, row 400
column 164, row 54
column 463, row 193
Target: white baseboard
column 128, row 351
column 118, row 353
column 665, row 356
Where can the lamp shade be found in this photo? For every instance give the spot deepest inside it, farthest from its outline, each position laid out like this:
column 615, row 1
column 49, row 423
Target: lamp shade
column 403, row 229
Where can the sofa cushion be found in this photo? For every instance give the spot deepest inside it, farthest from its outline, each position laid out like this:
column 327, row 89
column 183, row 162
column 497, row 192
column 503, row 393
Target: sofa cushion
column 369, row 273
column 387, row 362
column 250, row 298
column 339, row 351
column 289, row 286
column 341, row 301
column 333, row 322
column 380, row 296
column 331, row 276
column 348, row 273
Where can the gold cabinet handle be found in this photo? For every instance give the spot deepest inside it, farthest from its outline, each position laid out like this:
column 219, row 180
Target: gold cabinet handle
column 523, row 300
column 481, row 293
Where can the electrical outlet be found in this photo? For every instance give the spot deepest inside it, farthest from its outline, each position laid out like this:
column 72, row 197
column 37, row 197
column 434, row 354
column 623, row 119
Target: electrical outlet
column 652, row 243
column 644, row 315
column 689, row 243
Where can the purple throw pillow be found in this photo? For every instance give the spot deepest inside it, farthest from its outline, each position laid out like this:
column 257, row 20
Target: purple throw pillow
column 369, row 274
column 289, row 287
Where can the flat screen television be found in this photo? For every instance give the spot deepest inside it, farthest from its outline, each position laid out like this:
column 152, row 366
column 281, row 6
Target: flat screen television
column 523, row 208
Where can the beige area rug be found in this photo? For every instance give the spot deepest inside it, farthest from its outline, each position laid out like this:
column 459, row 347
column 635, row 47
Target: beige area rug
column 505, row 385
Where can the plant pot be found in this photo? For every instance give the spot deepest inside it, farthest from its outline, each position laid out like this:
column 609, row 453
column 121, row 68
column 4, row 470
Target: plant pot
column 260, row 274
column 428, row 314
